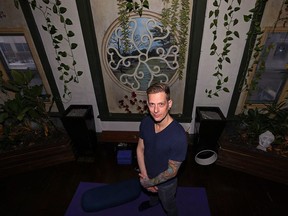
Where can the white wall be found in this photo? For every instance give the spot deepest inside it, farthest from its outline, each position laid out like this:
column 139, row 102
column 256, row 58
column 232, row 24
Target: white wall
column 82, row 92
column 207, row 63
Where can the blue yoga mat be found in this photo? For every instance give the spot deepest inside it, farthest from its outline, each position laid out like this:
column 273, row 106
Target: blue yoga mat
column 191, row 201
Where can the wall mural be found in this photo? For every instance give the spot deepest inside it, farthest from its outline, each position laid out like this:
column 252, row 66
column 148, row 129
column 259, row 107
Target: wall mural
column 155, row 53
column 152, row 56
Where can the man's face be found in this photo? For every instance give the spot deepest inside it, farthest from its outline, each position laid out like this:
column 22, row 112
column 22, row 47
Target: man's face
column 158, row 105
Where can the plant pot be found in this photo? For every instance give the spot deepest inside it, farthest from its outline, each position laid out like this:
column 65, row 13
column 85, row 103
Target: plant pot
column 239, row 156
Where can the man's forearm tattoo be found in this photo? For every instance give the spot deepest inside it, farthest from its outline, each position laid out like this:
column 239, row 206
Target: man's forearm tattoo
column 173, row 167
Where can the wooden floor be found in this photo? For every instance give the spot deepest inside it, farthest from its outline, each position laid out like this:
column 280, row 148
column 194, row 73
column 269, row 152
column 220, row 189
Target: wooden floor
column 50, row 190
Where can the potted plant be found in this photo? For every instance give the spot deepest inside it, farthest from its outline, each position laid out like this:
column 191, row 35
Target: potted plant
column 26, row 125
column 240, row 139
column 273, row 117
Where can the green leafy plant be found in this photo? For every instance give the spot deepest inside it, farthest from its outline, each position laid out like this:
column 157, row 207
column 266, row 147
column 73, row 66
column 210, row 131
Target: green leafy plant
column 22, row 110
column 222, row 55
column 61, row 40
column 175, row 16
column 125, row 8
column 274, row 117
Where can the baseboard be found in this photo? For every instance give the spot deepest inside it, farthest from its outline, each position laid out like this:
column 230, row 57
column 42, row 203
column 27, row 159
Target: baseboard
column 118, row 136
column 126, row 136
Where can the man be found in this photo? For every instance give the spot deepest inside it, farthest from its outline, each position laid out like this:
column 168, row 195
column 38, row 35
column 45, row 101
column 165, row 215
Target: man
column 161, row 149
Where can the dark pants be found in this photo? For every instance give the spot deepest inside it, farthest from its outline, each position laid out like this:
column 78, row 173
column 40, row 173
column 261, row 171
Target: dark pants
column 167, row 196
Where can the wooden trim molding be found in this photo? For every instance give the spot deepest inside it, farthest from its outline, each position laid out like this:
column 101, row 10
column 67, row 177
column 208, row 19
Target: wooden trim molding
column 118, row 136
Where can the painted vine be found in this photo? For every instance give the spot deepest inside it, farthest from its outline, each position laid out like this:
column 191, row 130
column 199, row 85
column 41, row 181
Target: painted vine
column 222, row 55
column 175, row 16
column 62, row 42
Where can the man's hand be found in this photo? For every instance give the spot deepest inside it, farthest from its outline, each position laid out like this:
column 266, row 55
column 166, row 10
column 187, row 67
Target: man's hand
column 143, row 179
column 153, row 189
column 171, row 172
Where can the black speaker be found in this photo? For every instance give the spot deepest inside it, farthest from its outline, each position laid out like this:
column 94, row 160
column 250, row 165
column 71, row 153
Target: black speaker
column 78, row 120
column 209, row 124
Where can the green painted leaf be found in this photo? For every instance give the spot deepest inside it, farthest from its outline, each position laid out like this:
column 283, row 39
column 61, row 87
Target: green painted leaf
column 213, row 46
column 33, row 4
column 211, row 25
column 70, row 34
column 247, row 18
column 53, row 30
column 55, row 41
column 66, row 67
column 215, row 3
column 55, row 10
column 146, row 4
column 58, row 2
column 225, row 89
column 16, row 4
column 211, row 13
column 228, row 32
column 73, row 46
column 68, row 21
column 44, row 28
column 236, row 33
column 59, row 37
column 62, row 10
column 63, row 54
column 62, row 19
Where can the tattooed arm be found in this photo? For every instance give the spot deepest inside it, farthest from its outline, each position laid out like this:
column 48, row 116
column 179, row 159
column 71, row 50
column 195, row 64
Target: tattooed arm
column 173, row 167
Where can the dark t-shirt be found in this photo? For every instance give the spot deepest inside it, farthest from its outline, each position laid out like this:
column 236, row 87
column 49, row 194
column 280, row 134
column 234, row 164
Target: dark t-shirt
column 168, row 144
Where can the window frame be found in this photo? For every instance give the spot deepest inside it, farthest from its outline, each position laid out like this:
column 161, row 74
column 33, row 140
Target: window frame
column 50, row 105
column 284, row 92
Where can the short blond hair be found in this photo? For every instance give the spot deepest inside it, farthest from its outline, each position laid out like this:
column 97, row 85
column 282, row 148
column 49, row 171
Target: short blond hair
column 159, row 87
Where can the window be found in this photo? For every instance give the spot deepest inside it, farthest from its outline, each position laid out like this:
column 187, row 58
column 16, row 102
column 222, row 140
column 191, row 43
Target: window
column 152, row 55
column 15, row 54
column 270, row 75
